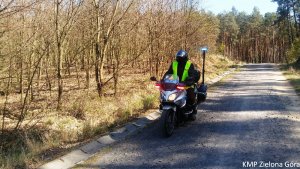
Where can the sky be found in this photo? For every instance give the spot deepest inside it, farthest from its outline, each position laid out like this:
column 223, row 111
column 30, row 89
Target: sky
column 218, row 6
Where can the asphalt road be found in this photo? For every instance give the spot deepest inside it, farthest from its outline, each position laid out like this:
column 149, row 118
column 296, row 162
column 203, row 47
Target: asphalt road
column 249, row 117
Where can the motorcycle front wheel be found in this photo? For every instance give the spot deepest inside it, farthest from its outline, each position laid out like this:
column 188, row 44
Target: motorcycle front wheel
column 167, row 122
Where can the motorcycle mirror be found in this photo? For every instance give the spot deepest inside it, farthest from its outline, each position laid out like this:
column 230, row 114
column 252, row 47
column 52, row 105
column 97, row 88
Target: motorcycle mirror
column 153, row 78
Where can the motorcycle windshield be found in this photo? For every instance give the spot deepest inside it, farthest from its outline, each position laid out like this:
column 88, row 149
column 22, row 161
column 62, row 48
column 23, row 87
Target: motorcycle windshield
column 170, row 82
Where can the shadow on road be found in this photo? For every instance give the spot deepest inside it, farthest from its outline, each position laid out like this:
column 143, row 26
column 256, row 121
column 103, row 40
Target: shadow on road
column 207, row 145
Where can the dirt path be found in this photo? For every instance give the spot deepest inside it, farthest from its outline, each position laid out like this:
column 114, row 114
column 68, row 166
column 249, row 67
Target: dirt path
column 250, row 117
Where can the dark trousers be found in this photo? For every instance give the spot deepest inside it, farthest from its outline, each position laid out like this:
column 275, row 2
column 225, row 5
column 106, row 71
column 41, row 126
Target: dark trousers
column 191, row 97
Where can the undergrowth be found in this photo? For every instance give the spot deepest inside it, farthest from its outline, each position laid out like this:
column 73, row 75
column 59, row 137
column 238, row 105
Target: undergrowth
column 292, row 72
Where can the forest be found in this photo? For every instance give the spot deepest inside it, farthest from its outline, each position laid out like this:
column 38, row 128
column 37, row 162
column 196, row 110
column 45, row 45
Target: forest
column 260, row 38
column 72, row 69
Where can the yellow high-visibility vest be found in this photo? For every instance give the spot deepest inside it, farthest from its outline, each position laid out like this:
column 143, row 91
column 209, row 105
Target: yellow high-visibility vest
column 185, row 72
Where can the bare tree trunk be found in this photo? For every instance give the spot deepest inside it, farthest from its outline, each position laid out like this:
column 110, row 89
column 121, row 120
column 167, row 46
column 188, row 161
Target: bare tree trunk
column 295, row 20
column 97, row 51
column 116, row 56
column 98, row 82
column 59, row 56
column 47, row 65
column 39, row 78
column 77, row 74
column 273, row 46
column 29, row 64
column 21, row 53
column 6, row 95
column 59, row 82
column 21, row 76
column 87, row 69
column 25, row 102
column 106, row 38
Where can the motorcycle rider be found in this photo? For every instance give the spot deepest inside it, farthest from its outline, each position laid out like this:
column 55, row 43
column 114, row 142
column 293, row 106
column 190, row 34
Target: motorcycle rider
column 188, row 74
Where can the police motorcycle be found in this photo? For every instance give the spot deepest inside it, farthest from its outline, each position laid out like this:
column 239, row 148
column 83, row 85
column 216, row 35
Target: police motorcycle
column 173, row 99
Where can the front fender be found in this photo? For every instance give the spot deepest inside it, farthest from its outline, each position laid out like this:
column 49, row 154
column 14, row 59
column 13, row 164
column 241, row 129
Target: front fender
column 169, row 107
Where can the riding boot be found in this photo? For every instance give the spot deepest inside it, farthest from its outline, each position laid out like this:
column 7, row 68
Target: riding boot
column 195, row 109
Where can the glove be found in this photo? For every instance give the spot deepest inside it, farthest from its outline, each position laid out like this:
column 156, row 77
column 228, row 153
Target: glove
column 189, row 81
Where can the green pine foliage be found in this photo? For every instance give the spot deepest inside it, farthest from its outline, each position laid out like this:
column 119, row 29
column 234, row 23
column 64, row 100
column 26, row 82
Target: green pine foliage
column 294, row 51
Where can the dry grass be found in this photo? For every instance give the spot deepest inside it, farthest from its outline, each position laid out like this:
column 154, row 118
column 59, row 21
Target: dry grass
column 83, row 116
column 292, row 73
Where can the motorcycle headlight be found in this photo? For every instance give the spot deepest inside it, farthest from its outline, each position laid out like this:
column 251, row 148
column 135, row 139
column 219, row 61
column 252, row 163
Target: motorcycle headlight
column 172, row 97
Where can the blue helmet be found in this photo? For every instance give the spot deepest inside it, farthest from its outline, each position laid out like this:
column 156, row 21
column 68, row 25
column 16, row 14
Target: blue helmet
column 181, row 55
